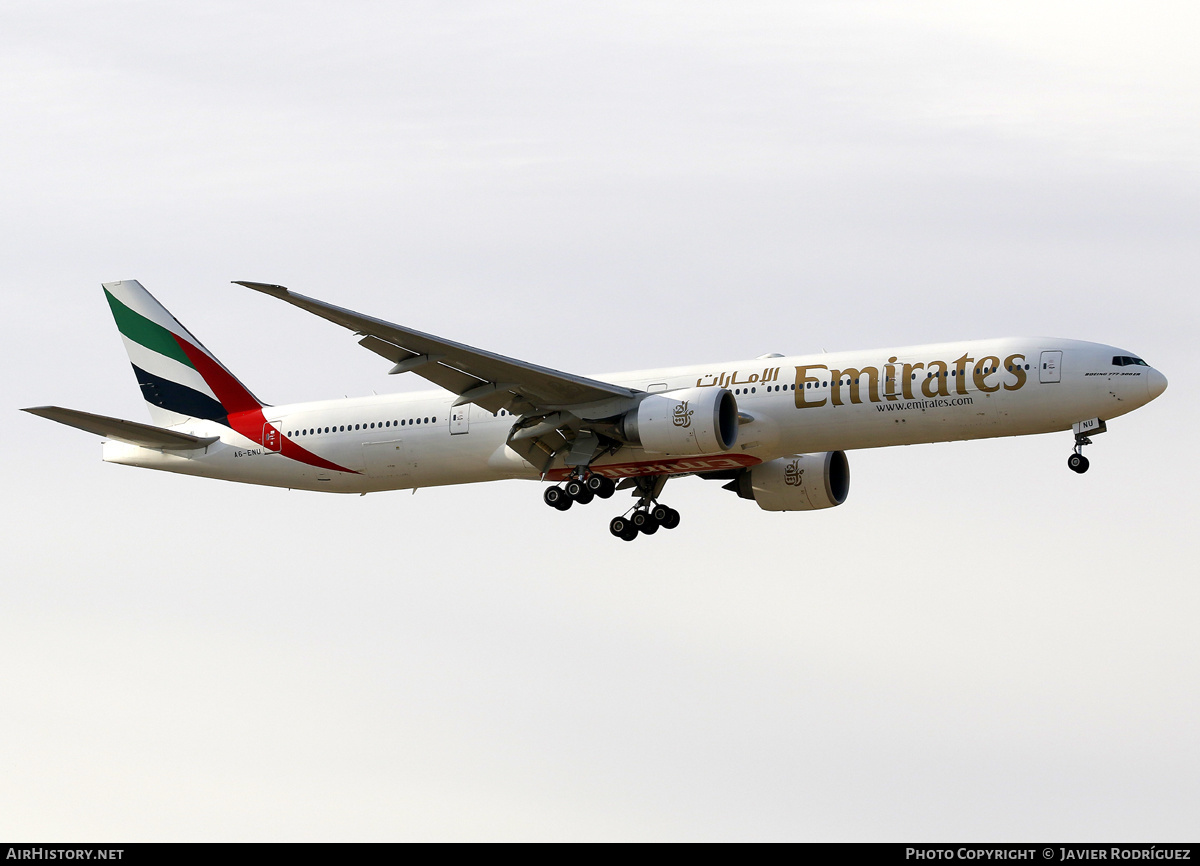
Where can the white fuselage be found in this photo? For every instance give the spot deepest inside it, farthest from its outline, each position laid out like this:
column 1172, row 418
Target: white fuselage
column 796, row 405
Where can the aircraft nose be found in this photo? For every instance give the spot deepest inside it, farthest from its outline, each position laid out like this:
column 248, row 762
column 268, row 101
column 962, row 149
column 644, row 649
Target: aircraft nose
column 1157, row 383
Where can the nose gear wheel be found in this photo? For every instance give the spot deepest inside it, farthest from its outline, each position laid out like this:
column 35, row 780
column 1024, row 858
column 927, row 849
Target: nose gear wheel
column 1077, row 462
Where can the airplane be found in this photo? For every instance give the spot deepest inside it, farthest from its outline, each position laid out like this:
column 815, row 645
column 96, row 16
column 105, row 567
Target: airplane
column 775, row 428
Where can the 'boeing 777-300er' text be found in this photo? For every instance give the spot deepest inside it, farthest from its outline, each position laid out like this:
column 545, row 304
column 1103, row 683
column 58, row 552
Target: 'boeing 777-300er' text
column 774, row 428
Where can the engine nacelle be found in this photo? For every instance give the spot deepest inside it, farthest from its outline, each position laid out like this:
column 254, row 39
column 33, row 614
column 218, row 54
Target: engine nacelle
column 688, row 421
column 802, row 482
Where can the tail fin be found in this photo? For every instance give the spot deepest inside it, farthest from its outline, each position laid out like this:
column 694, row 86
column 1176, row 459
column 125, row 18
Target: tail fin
column 179, row 378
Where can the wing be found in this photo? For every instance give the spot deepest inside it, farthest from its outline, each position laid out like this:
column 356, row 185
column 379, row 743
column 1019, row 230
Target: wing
column 124, row 431
column 555, row 407
column 484, row 378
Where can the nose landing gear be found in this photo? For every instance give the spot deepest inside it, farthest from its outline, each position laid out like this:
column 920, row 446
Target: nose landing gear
column 1077, row 462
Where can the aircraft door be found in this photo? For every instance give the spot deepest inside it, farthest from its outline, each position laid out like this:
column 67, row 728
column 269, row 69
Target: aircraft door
column 1051, row 369
column 272, row 439
column 459, row 419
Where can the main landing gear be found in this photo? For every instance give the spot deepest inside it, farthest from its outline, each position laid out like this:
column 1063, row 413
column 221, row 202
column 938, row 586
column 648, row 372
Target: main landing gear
column 648, row 515
column 645, row 518
column 582, row 490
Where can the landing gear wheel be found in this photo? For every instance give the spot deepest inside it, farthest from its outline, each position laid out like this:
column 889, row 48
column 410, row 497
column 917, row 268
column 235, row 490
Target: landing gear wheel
column 671, row 520
column 578, row 491
column 659, row 513
column 1078, row 463
column 622, row 528
column 601, row 486
column 644, row 521
column 555, row 496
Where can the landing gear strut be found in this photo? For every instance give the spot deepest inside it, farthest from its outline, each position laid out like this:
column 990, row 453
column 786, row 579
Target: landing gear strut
column 1077, row 462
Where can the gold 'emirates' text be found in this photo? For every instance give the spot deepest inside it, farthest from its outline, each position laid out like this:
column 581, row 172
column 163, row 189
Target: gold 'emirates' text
column 936, row 382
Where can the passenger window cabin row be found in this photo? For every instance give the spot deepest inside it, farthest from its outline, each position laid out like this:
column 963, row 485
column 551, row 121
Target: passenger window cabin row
column 349, row 428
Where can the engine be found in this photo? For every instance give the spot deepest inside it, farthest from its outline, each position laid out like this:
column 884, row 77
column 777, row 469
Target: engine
column 802, row 482
column 688, row 421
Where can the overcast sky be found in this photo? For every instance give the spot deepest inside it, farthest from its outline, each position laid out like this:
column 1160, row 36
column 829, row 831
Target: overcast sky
column 979, row 644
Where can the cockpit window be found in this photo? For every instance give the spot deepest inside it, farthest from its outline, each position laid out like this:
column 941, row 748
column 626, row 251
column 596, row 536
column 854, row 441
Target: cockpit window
column 1127, row 361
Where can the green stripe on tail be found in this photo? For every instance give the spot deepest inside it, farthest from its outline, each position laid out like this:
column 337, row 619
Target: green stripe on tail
column 141, row 330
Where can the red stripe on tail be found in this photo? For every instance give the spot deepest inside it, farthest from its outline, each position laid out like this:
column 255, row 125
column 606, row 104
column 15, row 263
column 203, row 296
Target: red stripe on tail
column 230, row 393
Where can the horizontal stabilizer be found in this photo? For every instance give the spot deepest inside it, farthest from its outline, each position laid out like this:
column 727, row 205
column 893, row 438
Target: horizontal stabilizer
column 124, row 431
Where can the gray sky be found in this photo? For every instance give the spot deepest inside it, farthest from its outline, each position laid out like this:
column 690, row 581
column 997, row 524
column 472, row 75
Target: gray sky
column 978, row 645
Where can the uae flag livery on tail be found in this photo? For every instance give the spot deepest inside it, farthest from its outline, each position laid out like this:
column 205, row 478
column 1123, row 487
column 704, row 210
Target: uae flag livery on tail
column 179, row 378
